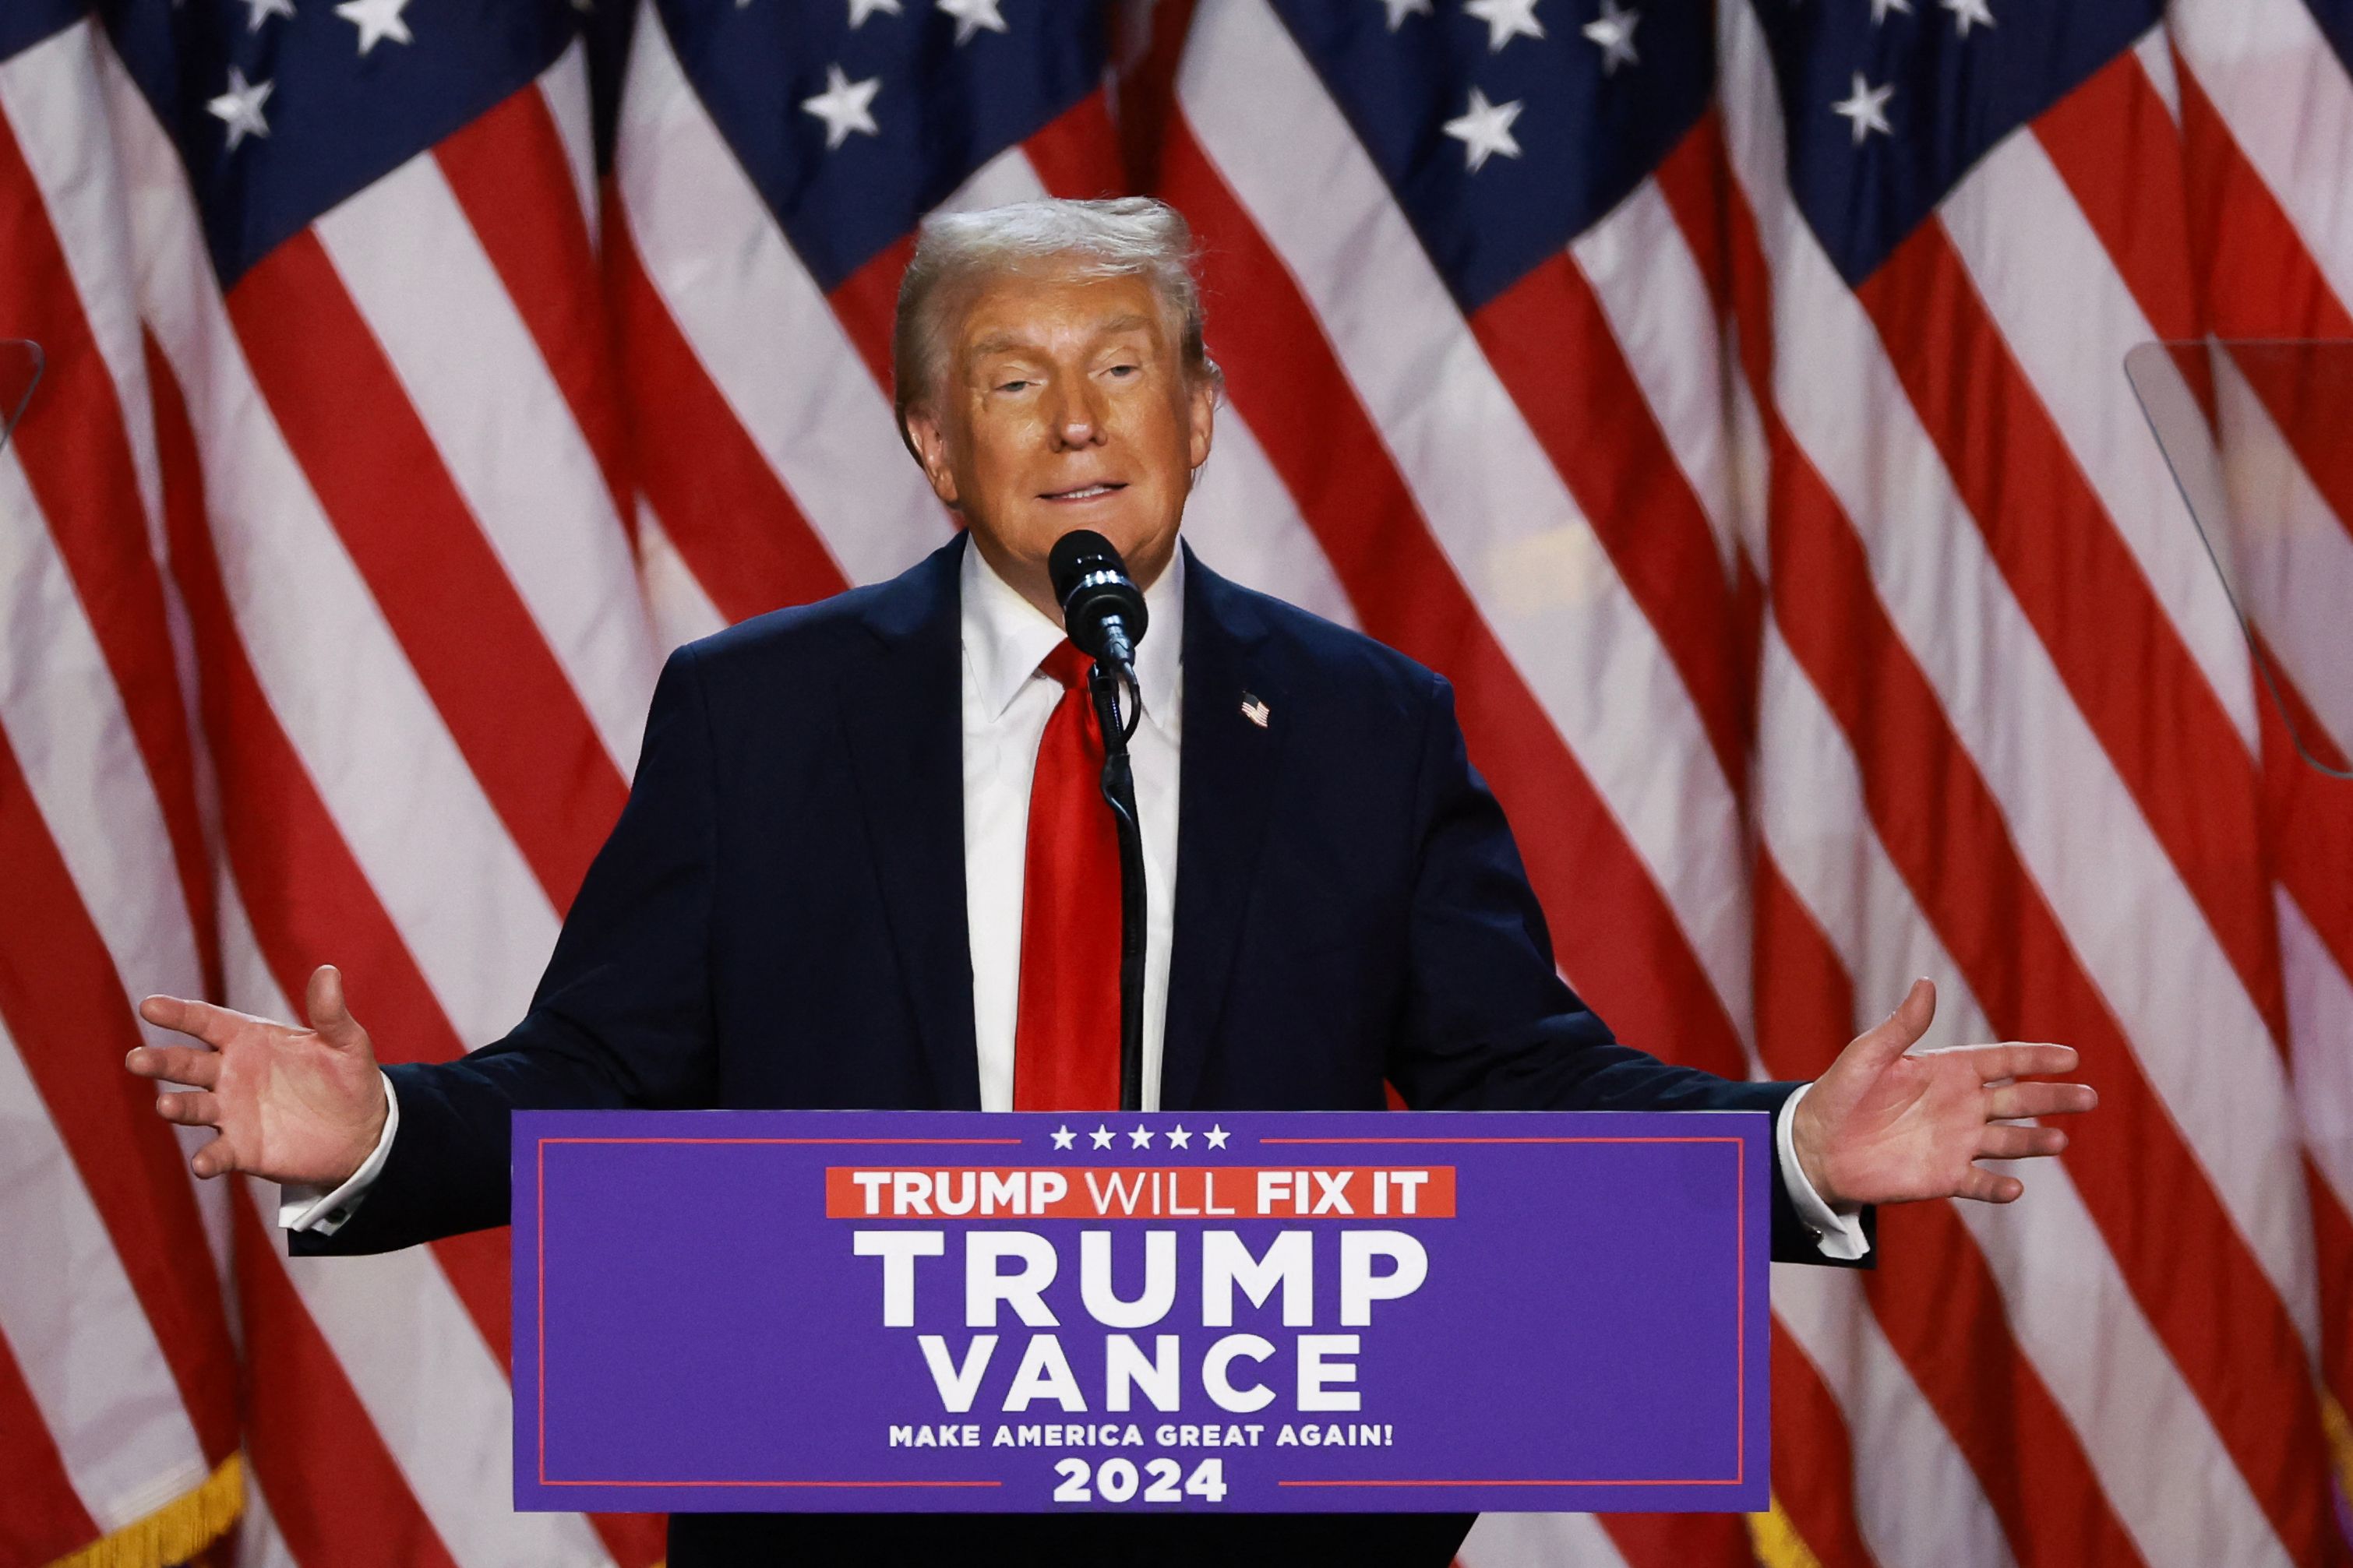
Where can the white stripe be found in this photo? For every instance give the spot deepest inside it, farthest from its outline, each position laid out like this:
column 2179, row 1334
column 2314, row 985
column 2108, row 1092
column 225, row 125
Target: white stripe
column 259, row 1544
column 432, row 1389
column 2320, row 1032
column 681, row 611
column 2286, row 96
column 2155, row 51
column 565, row 85
column 2290, row 555
column 1528, row 1540
column 2164, row 1468
column 1529, row 558
column 2141, row 938
column 1240, row 517
column 400, row 793
column 1650, row 289
column 475, row 376
column 80, row 1335
column 50, row 95
column 761, row 328
column 2051, row 287
column 1916, row 1500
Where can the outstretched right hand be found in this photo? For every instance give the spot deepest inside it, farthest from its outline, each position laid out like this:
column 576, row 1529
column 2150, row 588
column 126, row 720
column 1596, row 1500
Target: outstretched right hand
column 303, row 1106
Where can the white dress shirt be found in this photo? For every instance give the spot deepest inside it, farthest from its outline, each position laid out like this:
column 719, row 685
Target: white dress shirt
column 1006, row 703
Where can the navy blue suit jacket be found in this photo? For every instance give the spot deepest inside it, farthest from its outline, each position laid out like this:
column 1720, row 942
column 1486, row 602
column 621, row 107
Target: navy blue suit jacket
column 778, row 918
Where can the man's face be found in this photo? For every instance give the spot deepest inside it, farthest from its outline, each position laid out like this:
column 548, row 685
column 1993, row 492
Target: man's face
column 1064, row 403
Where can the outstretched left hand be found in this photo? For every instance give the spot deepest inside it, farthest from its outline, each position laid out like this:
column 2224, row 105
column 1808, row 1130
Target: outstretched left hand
column 1881, row 1126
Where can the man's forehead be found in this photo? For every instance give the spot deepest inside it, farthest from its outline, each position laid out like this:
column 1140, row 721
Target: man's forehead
column 1019, row 309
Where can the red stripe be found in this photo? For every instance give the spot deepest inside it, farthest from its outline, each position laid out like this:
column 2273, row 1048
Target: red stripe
column 66, row 1005
column 510, row 174
column 45, row 1518
column 439, row 585
column 1556, row 355
column 1076, row 154
column 76, row 452
column 867, row 303
column 1612, row 927
column 308, row 899
column 1813, row 1460
column 2231, row 1338
column 1679, row 1540
column 1934, row 1298
column 734, row 525
column 335, row 1492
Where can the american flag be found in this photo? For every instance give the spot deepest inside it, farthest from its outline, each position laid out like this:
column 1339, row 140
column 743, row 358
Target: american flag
column 1728, row 397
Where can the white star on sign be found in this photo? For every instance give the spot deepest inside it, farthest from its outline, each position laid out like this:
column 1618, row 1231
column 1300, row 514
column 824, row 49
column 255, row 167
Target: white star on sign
column 1102, row 1135
column 1506, row 20
column 1880, row 8
column 1217, row 1137
column 1614, row 32
column 1485, row 129
column 1965, row 12
column 376, row 20
column 972, row 15
column 1866, row 110
column 240, row 108
column 1140, row 1138
column 1178, row 1137
column 861, row 9
column 1400, row 9
column 845, row 106
column 257, row 12
column 1064, row 1137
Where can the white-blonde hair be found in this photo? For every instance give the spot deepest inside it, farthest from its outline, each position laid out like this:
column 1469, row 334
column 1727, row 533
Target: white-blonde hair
column 1122, row 237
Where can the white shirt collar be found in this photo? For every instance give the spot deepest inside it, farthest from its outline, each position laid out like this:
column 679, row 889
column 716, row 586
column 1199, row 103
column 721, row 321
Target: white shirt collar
column 1006, row 637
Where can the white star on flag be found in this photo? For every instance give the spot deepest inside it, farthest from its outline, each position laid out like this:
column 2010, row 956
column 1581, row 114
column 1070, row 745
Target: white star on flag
column 376, row 20
column 845, row 106
column 1400, row 9
column 1217, row 1137
column 1178, row 1137
column 1140, row 1138
column 972, row 15
column 240, row 108
column 1506, row 20
column 861, row 9
column 1614, row 33
column 1880, row 8
column 1064, row 1137
column 1102, row 1135
column 1485, row 129
column 1966, row 12
column 1866, row 109
column 257, row 12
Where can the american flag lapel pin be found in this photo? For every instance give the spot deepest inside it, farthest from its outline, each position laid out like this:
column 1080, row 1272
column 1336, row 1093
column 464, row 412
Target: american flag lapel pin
column 1254, row 710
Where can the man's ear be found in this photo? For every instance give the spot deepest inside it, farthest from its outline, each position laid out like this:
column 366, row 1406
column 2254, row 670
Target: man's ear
column 1201, row 413
column 929, row 444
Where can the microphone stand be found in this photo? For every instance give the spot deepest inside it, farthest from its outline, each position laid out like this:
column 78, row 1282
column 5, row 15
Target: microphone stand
column 1118, row 793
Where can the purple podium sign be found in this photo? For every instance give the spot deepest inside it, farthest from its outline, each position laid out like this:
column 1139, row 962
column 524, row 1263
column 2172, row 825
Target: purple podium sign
column 1256, row 1313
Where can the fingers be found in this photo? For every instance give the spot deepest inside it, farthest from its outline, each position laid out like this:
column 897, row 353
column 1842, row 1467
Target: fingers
column 2011, row 1058
column 323, row 1005
column 1985, row 1187
column 214, row 1159
column 175, row 1064
column 1900, row 1030
column 2003, row 1141
column 212, row 1025
column 189, row 1109
column 2007, row 1102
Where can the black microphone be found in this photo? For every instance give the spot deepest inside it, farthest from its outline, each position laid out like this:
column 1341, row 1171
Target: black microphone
column 1102, row 609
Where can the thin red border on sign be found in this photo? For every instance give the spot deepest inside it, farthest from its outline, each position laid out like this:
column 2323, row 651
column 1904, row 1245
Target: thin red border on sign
column 1740, row 1323
column 1740, row 1300
column 539, row 1162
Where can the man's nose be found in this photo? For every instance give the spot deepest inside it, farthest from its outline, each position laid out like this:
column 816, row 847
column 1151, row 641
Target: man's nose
column 1077, row 422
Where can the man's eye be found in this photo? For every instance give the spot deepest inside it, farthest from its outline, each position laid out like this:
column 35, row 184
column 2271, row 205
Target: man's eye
column 1124, row 370
column 1012, row 386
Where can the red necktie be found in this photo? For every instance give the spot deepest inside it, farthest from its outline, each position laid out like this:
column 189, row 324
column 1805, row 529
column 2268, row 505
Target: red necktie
column 1066, row 1039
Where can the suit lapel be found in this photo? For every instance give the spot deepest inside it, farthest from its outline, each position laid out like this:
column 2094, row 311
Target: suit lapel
column 902, row 711
column 1229, row 767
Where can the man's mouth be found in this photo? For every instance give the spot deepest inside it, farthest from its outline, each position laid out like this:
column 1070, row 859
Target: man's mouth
column 1084, row 492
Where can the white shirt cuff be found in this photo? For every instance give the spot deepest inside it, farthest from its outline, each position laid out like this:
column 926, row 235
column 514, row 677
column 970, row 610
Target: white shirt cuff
column 1840, row 1236
column 301, row 1207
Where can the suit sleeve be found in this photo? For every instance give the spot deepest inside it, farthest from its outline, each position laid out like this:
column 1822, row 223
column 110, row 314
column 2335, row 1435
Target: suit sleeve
column 1488, row 1023
column 621, row 1018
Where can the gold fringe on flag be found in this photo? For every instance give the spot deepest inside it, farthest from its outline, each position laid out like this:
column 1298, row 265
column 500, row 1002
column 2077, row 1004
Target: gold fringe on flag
column 1777, row 1541
column 2340, row 1440
column 174, row 1533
